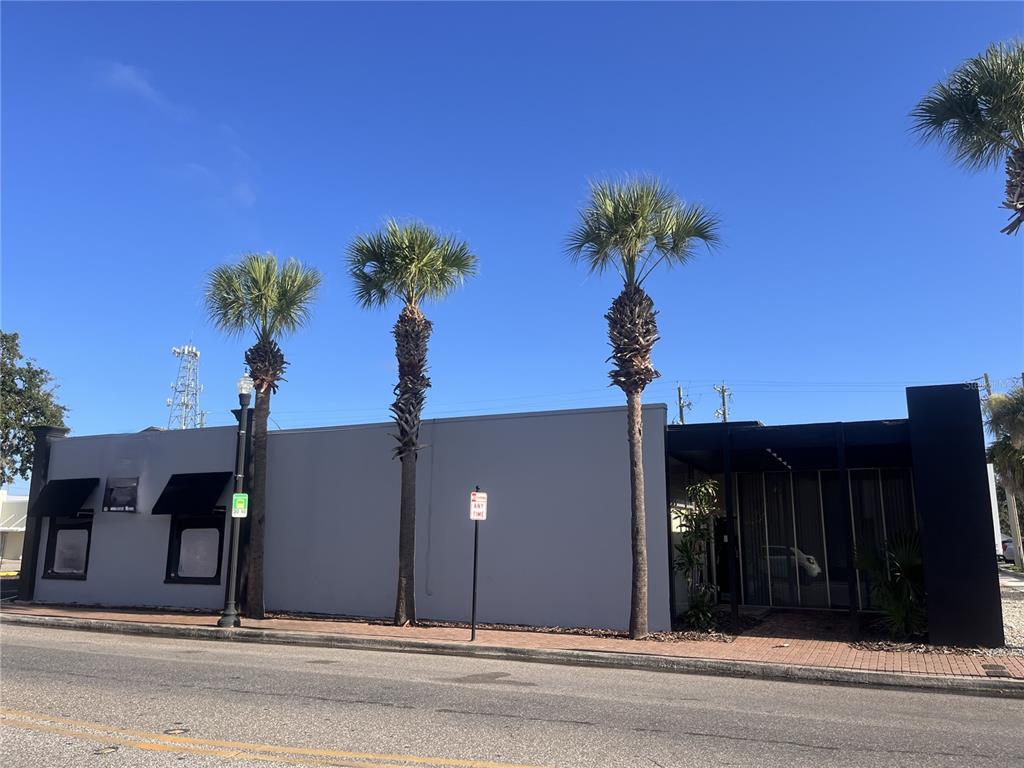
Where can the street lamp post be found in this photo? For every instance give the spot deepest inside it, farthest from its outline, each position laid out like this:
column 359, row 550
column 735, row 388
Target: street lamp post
column 229, row 617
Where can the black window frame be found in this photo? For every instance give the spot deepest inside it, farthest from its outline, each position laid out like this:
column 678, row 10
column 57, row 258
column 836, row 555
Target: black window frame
column 181, row 523
column 57, row 524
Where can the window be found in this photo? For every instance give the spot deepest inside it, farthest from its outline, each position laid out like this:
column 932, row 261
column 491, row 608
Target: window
column 194, row 550
column 67, row 548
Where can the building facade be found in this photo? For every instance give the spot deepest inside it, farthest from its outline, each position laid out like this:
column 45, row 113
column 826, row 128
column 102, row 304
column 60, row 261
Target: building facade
column 554, row 550
column 139, row 519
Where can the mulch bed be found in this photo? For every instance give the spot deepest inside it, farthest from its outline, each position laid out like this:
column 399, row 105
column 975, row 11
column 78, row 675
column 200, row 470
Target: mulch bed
column 894, row 646
column 780, row 623
column 720, row 633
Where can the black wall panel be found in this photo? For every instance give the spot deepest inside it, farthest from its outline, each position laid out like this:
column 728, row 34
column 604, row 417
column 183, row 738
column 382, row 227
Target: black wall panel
column 955, row 514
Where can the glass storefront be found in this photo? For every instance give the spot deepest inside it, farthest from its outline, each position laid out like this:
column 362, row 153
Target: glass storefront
column 794, row 540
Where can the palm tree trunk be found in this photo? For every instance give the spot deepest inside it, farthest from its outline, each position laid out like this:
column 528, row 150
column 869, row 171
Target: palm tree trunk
column 405, row 602
column 1014, row 190
column 638, row 518
column 412, row 332
column 257, row 507
column 632, row 333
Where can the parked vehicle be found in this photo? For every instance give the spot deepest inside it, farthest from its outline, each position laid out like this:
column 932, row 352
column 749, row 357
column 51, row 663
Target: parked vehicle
column 781, row 562
column 1009, row 550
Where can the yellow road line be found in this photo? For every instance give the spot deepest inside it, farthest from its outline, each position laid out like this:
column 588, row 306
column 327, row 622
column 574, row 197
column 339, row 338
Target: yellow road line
column 255, row 750
column 153, row 746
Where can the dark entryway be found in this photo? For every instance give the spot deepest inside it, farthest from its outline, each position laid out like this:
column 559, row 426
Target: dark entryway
column 802, row 505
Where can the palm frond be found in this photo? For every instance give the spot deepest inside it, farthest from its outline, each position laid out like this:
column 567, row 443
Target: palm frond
column 634, row 225
column 978, row 111
column 1008, row 460
column 410, row 262
column 1005, row 415
column 258, row 294
column 224, row 299
column 297, row 286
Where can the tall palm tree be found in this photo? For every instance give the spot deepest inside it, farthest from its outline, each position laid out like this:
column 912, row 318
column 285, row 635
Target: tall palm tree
column 633, row 227
column 978, row 113
column 410, row 263
column 272, row 300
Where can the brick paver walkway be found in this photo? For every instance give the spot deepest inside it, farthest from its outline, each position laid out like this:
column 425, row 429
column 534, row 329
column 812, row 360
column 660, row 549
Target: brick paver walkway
column 760, row 645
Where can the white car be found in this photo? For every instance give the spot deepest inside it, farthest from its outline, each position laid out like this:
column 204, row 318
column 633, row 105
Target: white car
column 1009, row 551
column 781, row 560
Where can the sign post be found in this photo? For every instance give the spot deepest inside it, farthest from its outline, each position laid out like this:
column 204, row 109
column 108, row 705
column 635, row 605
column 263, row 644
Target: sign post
column 477, row 512
column 240, row 505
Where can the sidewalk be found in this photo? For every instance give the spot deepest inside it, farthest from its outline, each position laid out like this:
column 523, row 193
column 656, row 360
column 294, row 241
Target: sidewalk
column 760, row 653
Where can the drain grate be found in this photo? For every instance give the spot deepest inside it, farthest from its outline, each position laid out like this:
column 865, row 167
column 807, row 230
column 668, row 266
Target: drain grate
column 995, row 670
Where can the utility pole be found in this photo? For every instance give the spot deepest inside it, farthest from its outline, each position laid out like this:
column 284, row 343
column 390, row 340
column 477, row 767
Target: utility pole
column 988, row 385
column 726, row 393
column 684, row 403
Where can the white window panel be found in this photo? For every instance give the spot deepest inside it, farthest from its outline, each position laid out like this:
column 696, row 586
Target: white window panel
column 197, row 558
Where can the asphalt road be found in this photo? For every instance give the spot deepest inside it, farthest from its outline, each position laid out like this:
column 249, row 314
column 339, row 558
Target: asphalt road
column 82, row 699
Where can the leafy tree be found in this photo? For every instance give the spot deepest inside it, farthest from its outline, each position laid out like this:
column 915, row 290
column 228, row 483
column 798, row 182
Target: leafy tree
column 27, row 399
column 271, row 300
column 1005, row 416
column 633, row 227
column 410, row 263
column 978, row 113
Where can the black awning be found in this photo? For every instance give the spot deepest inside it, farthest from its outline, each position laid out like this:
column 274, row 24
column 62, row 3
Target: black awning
column 192, row 493
column 63, row 498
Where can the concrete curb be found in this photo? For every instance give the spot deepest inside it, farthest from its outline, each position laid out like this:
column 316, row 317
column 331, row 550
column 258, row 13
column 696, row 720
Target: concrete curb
column 1000, row 687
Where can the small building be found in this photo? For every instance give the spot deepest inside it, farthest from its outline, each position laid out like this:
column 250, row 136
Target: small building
column 139, row 519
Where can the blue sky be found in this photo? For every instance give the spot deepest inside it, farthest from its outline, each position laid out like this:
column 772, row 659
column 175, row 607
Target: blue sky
column 145, row 143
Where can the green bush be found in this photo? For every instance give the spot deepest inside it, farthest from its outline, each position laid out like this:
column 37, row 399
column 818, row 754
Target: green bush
column 693, row 520
column 899, row 588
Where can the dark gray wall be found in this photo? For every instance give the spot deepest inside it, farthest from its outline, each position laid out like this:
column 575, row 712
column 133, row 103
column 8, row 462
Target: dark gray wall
column 554, row 549
column 128, row 551
column 952, row 500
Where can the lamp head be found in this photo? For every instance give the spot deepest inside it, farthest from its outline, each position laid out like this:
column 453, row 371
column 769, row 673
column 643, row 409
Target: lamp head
column 245, row 385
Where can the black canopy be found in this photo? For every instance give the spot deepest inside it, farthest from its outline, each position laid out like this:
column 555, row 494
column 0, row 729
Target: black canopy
column 63, row 497
column 192, row 493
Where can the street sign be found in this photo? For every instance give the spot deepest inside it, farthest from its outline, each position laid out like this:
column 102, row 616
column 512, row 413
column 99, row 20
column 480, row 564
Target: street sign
column 477, row 512
column 478, row 505
column 240, row 505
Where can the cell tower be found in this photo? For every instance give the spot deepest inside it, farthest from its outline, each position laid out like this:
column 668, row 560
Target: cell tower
column 184, row 399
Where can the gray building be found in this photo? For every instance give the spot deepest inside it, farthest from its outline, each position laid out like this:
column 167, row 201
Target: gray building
column 555, row 549
column 139, row 519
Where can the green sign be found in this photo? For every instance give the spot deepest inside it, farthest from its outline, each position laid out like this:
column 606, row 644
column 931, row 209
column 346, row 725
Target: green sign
column 240, row 505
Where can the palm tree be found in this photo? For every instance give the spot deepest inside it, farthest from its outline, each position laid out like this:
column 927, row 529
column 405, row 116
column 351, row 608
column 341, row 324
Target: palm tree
column 633, row 227
column 257, row 294
column 1006, row 415
column 410, row 263
column 978, row 113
